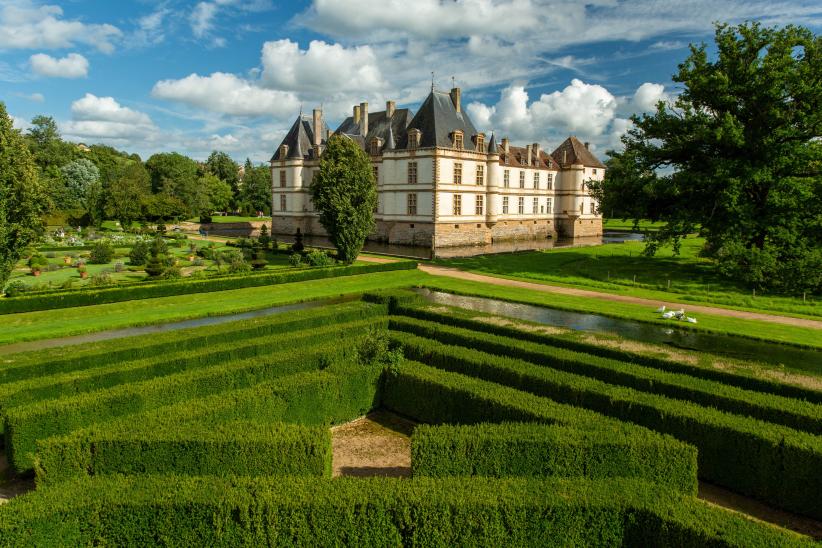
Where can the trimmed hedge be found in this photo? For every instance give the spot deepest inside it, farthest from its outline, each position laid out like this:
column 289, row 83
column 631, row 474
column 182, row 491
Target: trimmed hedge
column 770, row 462
column 394, row 299
column 518, row 449
column 150, row 290
column 559, row 341
column 242, row 448
column 26, row 424
column 797, row 414
column 39, row 363
column 55, row 386
column 211, row 511
column 339, row 393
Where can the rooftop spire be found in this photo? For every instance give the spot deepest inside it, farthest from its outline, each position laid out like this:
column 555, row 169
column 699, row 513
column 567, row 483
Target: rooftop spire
column 492, row 144
column 389, row 144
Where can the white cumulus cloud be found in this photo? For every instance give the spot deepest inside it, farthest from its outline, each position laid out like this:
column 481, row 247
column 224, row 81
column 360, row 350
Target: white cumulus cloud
column 647, row 96
column 227, row 94
column 106, row 119
column 72, row 65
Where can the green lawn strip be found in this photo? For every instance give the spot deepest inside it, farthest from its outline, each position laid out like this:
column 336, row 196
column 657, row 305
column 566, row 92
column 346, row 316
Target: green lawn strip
column 45, row 363
column 628, row 224
column 341, row 392
column 794, row 413
column 753, row 329
column 622, row 269
column 770, row 462
column 75, row 382
column 48, row 324
column 532, row 450
column 213, row 511
column 26, row 424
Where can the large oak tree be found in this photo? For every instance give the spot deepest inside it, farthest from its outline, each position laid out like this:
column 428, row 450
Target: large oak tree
column 737, row 155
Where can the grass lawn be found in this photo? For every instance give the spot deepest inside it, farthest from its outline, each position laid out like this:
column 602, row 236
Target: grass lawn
column 718, row 324
column 231, row 219
column 628, row 224
column 622, row 269
column 50, row 324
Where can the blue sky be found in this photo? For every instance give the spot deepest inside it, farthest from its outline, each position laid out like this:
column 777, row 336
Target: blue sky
column 194, row 76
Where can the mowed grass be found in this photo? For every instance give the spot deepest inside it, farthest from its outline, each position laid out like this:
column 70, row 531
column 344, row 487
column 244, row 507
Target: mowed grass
column 628, row 224
column 50, row 324
column 622, row 269
column 755, row 329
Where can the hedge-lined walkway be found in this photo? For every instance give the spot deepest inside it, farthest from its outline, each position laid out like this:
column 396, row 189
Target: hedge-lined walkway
column 544, row 288
column 378, row 444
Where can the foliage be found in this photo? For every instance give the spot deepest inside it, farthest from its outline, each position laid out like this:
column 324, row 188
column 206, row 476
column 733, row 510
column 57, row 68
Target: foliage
column 236, row 261
column 177, row 176
column 128, row 192
column 738, row 154
column 15, row 288
column 101, row 253
column 37, row 261
column 101, row 279
column 318, row 257
column 255, row 194
column 376, row 348
column 219, row 193
column 298, row 246
column 139, row 253
column 80, row 176
column 22, row 197
column 345, row 195
column 264, row 238
column 295, row 260
column 224, row 168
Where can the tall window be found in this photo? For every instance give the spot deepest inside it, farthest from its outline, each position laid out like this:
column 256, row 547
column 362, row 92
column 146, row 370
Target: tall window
column 480, row 204
column 282, row 178
column 282, row 202
column 522, row 179
column 593, row 208
column 412, row 203
column 506, row 178
column 536, row 205
column 413, row 139
column 457, row 174
column 505, row 205
column 412, row 173
column 375, row 147
column 480, row 143
column 376, row 174
column 458, row 140
column 549, row 205
column 457, row 204
column 480, row 174
column 521, row 205
column 550, row 181
column 536, row 180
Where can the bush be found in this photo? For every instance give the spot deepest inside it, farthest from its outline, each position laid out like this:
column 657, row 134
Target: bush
column 101, row 253
column 15, row 288
column 139, row 254
column 158, row 246
column 295, row 260
column 375, row 348
column 101, row 279
column 264, row 239
column 156, row 266
column 236, row 262
column 318, row 257
column 119, row 267
column 37, row 262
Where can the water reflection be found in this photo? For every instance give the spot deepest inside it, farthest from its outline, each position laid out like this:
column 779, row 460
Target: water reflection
column 725, row 345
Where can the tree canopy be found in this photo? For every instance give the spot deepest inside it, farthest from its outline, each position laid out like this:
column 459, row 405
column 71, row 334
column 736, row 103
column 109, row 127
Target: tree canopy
column 737, row 155
column 255, row 192
column 22, row 198
column 345, row 195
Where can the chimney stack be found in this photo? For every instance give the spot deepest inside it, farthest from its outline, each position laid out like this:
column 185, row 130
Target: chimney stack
column 390, row 107
column 364, row 118
column 565, row 157
column 586, row 144
column 528, row 152
column 505, row 147
column 318, row 126
column 356, row 114
column 456, row 98
column 535, row 147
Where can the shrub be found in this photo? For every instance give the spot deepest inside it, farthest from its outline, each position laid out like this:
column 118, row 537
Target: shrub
column 264, row 239
column 101, row 253
column 171, row 273
column 139, row 254
column 236, row 262
column 318, row 257
column 158, row 246
column 375, row 348
column 295, row 260
column 37, row 262
column 15, row 288
column 101, row 279
column 119, row 267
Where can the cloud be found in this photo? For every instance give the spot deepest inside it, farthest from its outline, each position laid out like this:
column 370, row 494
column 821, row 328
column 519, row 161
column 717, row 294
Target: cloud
column 33, row 97
column 149, row 29
column 202, row 18
column 647, row 96
column 227, row 94
column 24, row 25
column 18, row 123
column 72, row 65
column 104, row 118
column 321, row 68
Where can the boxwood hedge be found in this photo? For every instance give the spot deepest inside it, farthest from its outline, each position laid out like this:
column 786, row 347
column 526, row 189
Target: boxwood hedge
column 212, row 511
column 519, row 449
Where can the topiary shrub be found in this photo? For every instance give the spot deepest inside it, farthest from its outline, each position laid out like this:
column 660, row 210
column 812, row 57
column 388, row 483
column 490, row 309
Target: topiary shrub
column 101, row 279
column 139, row 253
column 264, row 238
column 295, row 260
column 155, row 266
column 101, row 253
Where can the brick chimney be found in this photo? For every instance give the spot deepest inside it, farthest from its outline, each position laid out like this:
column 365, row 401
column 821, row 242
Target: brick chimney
column 390, row 107
column 535, row 148
column 505, row 146
column 318, row 126
column 364, row 118
column 456, row 98
column 356, row 114
column 528, row 153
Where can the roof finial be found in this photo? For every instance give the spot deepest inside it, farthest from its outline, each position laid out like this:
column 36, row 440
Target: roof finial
column 301, row 110
column 432, row 80
column 453, row 82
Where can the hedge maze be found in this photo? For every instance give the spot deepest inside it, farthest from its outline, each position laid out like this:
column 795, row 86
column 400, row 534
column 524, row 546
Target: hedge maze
column 219, row 436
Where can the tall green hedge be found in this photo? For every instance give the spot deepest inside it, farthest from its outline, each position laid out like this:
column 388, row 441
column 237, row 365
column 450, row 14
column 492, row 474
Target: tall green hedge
column 149, row 290
column 336, row 394
column 212, row 511
column 25, row 425
column 767, row 461
column 242, row 448
column 789, row 412
column 39, row 363
column 519, row 449
column 559, row 341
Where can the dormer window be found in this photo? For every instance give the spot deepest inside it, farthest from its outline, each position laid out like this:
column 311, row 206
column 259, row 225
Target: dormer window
column 414, row 138
column 458, row 143
column 283, row 152
column 376, row 145
column 480, row 140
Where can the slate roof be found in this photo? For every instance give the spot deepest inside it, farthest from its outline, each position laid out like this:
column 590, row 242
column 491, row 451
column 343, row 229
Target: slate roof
column 572, row 151
column 300, row 139
column 437, row 119
column 518, row 157
column 378, row 126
